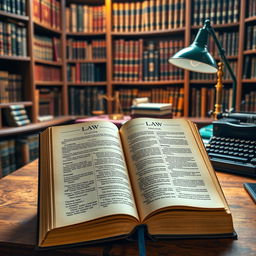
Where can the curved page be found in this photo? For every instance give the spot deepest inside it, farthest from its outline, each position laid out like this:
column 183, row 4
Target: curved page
column 90, row 174
column 166, row 166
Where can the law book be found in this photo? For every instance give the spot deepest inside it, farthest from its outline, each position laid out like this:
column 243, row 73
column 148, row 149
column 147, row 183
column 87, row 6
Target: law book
column 99, row 183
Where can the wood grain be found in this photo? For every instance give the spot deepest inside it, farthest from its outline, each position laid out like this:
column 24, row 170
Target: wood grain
column 18, row 217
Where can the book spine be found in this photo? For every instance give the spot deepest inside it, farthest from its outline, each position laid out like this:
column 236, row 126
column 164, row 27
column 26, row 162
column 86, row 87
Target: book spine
column 4, row 157
column 151, row 62
column 145, row 66
column 11, row 152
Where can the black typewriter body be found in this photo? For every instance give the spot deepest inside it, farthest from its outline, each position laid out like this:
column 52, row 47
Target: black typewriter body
column 232, row 148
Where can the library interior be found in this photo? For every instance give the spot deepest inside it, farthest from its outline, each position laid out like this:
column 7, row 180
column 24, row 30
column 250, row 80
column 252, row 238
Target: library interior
column 67, row 65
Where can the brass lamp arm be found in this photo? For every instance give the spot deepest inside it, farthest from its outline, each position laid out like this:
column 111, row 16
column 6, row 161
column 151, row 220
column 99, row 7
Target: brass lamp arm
column 221, row 51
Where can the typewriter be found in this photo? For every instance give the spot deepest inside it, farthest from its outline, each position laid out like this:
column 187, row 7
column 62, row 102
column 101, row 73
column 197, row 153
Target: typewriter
column 232, row 147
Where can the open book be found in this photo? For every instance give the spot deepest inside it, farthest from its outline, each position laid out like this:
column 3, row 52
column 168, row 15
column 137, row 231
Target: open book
column 99, row 183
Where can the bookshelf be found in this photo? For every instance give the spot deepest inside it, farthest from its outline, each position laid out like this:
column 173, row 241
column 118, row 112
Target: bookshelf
column 76, row 37
column 61, row 60
column 235, row 29
column 147, row 40
column 116, row 30
column 19, row 84
column 47, row 62
column 86, row 60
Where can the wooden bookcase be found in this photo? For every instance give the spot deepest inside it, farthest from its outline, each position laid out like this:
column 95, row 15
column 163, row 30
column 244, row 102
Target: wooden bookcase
column 86, row 79
column 186, row 33
column 25, row 65
column 19, row 63
column 242, row 31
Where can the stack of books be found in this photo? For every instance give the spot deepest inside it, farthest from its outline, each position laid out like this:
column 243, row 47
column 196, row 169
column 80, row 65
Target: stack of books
column 161, row 110
column 16, row 115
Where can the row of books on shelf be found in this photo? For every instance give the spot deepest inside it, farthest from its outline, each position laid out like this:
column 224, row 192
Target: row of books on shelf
column 86, row 72
column 213, row 77
column 248, row 103
column 148, row 15
column 13, row 38
column 249, row 70
column 218, row 11
column 251, row 8
column 50, row 103
column 135, row 62
column 172, row 95
column 229, row 41
column 47, row 12
column 85, row 18
column 47, row 48
column 202, row 100
column 251, row 37
column 47, row 73
column 10, row 87
column 83, row 49
column 15, row 153
column 13, row 6
column 86, row 100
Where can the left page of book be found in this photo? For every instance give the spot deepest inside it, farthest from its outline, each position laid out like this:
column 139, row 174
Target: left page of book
column 90, row 175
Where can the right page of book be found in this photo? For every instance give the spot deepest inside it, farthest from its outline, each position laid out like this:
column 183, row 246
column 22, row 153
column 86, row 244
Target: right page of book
column 167, row 167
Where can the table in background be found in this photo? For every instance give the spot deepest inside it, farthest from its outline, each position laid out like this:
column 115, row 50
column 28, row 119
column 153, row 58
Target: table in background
column 18, row 214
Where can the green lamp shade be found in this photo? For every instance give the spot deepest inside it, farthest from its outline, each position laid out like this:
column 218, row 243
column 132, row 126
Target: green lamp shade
column 196, row 57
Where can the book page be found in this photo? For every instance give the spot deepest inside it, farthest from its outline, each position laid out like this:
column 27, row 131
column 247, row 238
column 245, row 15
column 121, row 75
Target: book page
column 90, row 174
column 166, row 166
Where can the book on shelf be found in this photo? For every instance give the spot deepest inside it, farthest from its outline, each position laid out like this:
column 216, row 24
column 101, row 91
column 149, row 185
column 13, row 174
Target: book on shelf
column 47, row 12
column 26, row 149
column 78, row 49
column 86, row 72
column 173, row 95
column 85, row 18
column 108, row 182
column 219, row 11
column 138, row 60
column 47, row 48
column 49, row 101
column 13, row 36
column 7, row 157
column 86, row 100
column 16, row 115
column 148, row 15
column 13, row 6
column 47, row 73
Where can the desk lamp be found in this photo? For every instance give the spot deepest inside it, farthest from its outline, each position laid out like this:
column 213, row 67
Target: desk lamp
column 197, row 58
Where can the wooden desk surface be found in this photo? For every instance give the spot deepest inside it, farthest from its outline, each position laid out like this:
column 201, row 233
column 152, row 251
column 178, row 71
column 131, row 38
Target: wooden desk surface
column 18, row 211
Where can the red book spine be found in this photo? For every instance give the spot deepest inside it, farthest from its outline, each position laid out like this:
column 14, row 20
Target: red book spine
column 140, row 78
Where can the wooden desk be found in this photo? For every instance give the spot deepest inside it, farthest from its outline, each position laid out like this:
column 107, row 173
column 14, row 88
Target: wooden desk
column 18, row 211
